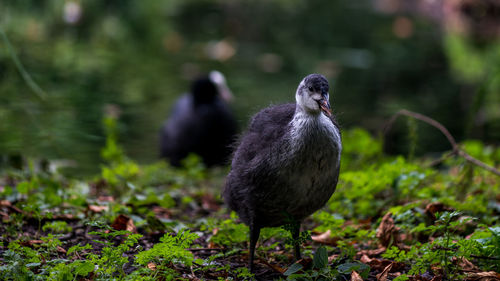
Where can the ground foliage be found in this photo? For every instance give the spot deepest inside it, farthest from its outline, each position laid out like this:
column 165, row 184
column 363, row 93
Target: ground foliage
column 390, row 219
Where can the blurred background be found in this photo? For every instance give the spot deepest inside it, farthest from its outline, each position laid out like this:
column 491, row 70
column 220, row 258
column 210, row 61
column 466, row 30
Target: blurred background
column 135, row 58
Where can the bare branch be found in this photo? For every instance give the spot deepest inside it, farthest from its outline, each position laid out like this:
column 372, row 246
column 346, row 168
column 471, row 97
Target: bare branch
column 455, row 147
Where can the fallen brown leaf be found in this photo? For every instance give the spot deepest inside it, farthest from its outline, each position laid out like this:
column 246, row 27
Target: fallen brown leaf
column 273, row 266
column 483, row 276
column 465, row 265
column 152, row 266
column 332, row 258
column 355, row 276
column 373, row 252
column 209, row 203
column 432, row 208
column 8, row 204
column 31, row 242
column 381, row 264
column 382, row 276
column 215, row 231
column 106, row 198
column 65, row 217
column 97, row 208
column 5, row 216
column 365, row 259
column 387, row 232
column 5, row 203
column 325, row 238
column 123, row 222
column 162, row 212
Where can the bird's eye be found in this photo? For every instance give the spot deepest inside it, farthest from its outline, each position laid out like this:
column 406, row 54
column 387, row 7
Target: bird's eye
column 311, row 89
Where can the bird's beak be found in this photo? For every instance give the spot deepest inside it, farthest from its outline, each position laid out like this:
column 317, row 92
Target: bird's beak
column 226, row 93
column 324, row 104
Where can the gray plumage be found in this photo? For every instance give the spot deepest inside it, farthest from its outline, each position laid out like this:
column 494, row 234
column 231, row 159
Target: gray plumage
column 287, row 163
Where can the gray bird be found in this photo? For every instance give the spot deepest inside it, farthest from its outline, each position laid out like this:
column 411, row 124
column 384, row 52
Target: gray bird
column 287, row 163
column 201, row 122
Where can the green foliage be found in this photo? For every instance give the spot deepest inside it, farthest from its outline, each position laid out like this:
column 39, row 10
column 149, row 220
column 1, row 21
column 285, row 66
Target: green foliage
column 482, row 243
column 320, row 259
column 171, row 249
column 229, row 233
column 28, row 255
column 359, row 149
column 111, row 259
column 321, row 270
column 328, row 221
column 366, row 192
column 443, row 250
column 15, row 267
column 361, row 268
column 57, row 227
column 112, row 152
column 77, row 249
column 71, row 271
column 162, row 199
column 120, row 173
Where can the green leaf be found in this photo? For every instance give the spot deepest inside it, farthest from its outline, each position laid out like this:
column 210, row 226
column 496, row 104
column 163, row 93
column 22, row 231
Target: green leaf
column 320, row 259
column 84, row 268
column 23, row 187
column 33, row 264
column 292, row 269
column 349, row 267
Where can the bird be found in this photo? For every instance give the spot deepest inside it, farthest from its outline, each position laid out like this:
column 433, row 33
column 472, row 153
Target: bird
column 286, row 165
column 201, row 123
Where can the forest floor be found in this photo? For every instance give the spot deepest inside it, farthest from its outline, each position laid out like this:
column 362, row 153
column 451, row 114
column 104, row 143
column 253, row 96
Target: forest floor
column 390, row 219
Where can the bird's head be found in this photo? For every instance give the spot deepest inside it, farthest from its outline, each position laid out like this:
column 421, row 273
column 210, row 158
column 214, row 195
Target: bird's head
column 312, row 95
column 208, row 88
column 204, row 90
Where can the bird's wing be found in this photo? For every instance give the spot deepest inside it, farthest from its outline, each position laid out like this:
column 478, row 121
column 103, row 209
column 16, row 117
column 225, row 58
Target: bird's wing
column 173, row 140
column 250, row 166
column 266, row 129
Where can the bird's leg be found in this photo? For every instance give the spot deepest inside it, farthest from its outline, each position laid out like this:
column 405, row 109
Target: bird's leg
column 254, row 236
column 296, row 240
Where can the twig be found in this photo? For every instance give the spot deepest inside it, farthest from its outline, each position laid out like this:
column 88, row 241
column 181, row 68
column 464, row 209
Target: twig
column 26, row 76
column 456, row 150
column 441, row 159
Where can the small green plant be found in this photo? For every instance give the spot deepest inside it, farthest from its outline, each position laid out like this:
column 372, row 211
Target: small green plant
column 57, row 227
column 228, row 232
column 171, row 249
column 111, row 259
column 321, row 270
column 112, row 152
column 74, row 270
column 15, row 267
column 441, row 251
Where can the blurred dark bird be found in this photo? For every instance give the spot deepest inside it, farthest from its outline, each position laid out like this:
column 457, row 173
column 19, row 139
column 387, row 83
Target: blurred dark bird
column 287, row 164
column 200, row 123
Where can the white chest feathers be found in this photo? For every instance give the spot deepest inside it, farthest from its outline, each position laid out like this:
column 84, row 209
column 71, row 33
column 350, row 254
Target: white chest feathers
column 315, row 134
